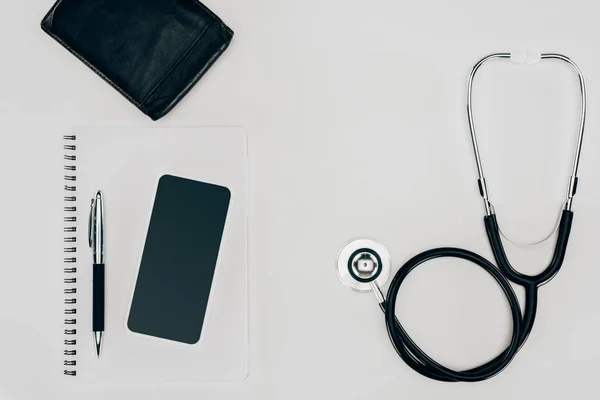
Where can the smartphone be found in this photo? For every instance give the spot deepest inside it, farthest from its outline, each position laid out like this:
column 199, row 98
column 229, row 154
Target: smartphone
column 179, row 259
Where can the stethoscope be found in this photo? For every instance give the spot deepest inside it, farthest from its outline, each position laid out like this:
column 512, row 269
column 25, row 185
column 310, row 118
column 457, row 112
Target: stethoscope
column 364, row 264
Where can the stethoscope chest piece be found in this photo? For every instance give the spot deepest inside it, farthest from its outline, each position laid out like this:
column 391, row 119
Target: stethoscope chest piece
column 362, row 261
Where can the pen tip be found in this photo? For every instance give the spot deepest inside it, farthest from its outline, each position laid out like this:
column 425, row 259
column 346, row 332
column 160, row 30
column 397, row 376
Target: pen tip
column 98, row 342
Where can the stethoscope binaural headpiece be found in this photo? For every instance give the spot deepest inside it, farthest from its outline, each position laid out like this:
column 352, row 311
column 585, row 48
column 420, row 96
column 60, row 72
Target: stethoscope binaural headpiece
column 361, row 262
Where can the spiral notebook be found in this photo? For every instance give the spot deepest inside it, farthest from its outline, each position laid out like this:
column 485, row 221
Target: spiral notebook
column 128, row 166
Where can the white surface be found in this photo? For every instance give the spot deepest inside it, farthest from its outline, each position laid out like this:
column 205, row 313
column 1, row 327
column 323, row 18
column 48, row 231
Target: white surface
column 126, row 165
column 357, row 125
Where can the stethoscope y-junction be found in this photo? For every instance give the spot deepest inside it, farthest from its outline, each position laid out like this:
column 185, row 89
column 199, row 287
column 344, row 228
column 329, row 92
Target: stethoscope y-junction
column 364, row 264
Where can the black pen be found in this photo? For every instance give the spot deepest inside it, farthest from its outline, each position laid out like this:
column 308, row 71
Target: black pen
column 96, row 237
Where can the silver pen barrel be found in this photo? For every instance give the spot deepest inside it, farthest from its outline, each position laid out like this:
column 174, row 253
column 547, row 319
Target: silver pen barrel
column 97, row 228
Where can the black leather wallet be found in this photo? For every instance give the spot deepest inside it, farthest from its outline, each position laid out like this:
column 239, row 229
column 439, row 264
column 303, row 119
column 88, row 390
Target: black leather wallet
column 152, row 51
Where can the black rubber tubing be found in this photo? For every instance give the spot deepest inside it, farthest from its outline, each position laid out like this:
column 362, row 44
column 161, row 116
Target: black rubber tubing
column 419, row 361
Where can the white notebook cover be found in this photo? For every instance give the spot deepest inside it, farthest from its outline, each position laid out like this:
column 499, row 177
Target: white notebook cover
column 126, row 165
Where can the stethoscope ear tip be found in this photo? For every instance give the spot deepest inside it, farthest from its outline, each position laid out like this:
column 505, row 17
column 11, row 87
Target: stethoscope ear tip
column 361, row 262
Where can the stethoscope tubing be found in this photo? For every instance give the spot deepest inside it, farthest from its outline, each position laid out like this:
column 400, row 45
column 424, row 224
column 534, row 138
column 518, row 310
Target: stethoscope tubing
column 419, row 361
column 560, row 250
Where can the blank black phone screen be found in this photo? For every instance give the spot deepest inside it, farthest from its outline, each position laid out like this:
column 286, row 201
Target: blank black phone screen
column 179, row 259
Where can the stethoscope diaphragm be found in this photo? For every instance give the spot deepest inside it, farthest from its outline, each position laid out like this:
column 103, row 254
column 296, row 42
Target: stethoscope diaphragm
column 361, row 262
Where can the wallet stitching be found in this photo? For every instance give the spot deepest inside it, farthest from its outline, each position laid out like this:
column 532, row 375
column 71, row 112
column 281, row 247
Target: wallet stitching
column 92, row 67
column 193, row 80
column 178, row 62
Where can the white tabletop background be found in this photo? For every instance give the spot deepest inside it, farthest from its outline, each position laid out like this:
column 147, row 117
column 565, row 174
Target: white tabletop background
column 357, row 125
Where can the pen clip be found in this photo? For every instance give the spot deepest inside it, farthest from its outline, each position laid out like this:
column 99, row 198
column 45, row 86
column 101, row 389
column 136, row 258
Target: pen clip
column 91, row 220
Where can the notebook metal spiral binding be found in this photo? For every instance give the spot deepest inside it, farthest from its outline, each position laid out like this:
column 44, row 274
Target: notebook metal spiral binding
column 70, row 268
